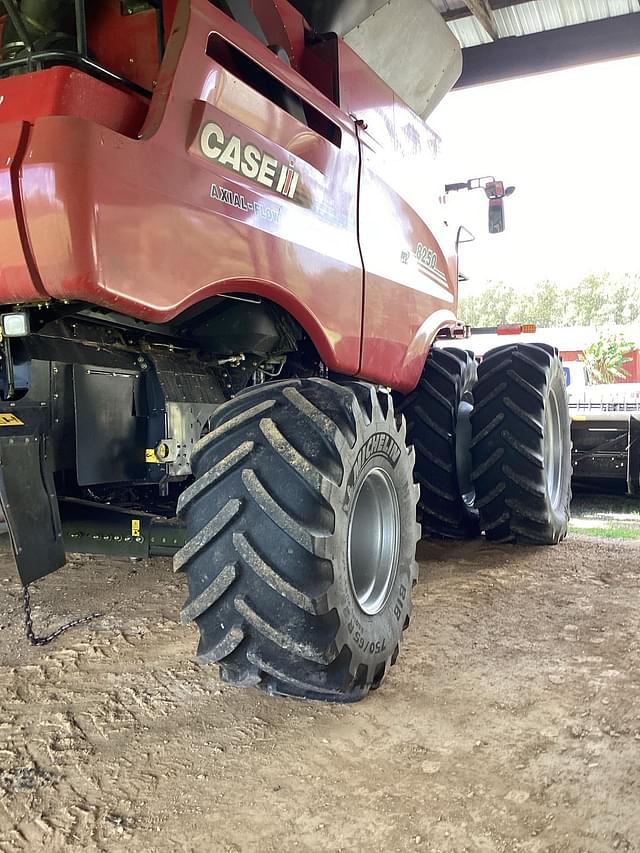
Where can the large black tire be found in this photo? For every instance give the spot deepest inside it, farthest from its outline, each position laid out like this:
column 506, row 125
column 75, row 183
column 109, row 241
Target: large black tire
column 438, row 425
column 521, row 447
column 275, row 551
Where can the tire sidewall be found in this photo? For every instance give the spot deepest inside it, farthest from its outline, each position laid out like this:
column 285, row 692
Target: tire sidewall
column 373, row 638
column 556, row 385
column 463, row 460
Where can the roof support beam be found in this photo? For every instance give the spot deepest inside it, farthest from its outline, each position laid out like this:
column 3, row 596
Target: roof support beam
column 596, row 41
column 465, row 11
column 482, row 11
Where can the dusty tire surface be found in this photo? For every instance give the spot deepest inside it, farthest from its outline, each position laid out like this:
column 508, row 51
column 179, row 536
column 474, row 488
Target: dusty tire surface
column 437, row 413
column 521, row 446
column 271, row 519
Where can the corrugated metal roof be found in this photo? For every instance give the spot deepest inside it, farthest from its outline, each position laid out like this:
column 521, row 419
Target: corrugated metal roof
column 534, row 17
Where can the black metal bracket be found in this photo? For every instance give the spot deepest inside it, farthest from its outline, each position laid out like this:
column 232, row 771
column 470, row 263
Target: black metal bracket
column 29, row 503
column 633, row 458
column 607, row 447
column 91, row 528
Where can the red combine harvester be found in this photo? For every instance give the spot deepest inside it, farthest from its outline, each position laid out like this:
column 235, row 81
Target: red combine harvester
column 224, row 264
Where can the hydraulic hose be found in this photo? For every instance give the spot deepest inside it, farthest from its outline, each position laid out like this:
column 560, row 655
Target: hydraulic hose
column 38, row 24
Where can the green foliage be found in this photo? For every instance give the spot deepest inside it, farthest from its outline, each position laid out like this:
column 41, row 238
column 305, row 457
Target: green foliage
column 587, row 303
column 611, row 532
column 605, row 358
column 595, row 301
column 495, row 304
column 543, row 307
column 613, row 516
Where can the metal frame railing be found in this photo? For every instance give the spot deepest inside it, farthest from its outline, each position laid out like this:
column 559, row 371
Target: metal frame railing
column 34, row 60
column 605, row 405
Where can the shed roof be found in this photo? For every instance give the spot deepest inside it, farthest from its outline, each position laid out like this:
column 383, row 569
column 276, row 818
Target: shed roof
column 507, row 38
column 535, row 16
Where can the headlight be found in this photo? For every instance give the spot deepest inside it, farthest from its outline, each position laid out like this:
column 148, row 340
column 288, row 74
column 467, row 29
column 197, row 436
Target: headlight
column 15, row 325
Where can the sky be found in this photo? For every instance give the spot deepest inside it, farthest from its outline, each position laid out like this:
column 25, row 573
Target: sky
column 570, row 143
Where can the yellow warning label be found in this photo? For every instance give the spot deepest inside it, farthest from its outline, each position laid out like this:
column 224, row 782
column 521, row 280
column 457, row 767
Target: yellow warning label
column 135, row 527
column 7, row 419
column 150, row 455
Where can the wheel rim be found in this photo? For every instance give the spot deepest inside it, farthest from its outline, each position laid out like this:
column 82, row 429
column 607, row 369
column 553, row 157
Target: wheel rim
column 374, row 540
column 553, row 449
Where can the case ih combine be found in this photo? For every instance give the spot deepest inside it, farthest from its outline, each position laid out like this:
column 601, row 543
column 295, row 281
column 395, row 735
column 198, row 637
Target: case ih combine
column 224, row 264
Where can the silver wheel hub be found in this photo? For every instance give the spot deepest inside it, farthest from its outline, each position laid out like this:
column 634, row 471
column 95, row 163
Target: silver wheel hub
column 463, row 454
column 553, row 450
column 374, row 540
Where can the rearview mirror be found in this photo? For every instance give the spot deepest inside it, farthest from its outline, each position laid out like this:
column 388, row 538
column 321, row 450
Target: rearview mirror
column 495, row 191
column 496, row 216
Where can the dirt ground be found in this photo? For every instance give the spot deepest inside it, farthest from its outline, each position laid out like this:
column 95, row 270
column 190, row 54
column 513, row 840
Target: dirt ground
column 511, row 722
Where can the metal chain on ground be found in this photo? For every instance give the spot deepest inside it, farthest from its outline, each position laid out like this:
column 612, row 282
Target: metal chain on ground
column 33, row 638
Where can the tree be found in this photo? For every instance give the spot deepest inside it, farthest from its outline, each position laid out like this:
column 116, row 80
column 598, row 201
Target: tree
column 495, row 304
column 545, row 306
column 587, row 302
column 605, row 358
column 624, row 300
column 597, row 300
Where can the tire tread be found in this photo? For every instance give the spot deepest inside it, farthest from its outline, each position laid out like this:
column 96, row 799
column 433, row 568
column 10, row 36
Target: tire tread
column 508, row 446
column 258, row 587
column 431, row 411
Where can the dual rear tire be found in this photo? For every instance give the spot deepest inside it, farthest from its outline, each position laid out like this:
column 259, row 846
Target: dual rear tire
column 493, row 444
column 438, row 414
column 521, row 446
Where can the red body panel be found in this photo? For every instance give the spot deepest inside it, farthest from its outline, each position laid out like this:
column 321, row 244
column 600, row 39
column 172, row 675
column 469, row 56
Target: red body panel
column 18, row 280
column 125, row 44
column 63, row 91
column 406, row 299
column 150, row 226
column 282, row 26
